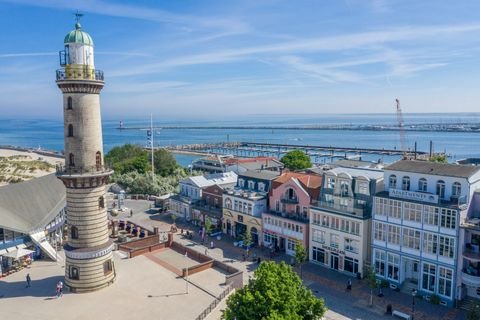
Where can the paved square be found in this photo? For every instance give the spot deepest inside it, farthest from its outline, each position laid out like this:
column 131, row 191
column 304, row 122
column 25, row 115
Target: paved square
column 143, row 289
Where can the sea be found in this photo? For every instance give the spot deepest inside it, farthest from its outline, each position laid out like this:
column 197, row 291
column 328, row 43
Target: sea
column 48, row 134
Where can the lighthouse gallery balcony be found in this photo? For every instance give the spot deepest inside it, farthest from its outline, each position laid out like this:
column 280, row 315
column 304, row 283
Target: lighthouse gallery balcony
column 82, row 73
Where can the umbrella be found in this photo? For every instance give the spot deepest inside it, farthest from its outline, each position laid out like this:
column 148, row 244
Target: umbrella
column 18, row 253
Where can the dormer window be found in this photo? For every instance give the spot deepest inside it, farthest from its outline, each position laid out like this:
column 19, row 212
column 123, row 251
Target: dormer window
column 251, row 185
column 344, row 189
column 456, row 189
column 241, row 183
column 422, row 185
column 406, row 183
column 331, row 183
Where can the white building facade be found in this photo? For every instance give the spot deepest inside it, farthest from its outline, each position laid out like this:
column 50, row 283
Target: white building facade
column 416, row 227
column 340, row 221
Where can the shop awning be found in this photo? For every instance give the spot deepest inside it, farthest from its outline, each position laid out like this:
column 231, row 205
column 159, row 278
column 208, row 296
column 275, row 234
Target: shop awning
column 15, row 254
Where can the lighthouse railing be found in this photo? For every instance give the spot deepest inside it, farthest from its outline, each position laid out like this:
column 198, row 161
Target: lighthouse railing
column 80, row 74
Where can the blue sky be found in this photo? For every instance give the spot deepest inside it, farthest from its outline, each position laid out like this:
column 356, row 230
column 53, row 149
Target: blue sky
column 227, row 58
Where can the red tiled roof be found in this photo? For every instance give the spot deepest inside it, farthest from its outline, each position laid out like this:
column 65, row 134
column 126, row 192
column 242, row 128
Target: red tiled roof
column 311, row 182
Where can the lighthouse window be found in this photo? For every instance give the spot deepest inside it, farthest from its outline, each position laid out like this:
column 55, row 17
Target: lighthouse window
column 74, row 273
column 98, row 160
column 74, row 232
column 69, row 103
column 70, row 130
column 107, row 267
column 101, row 202
column 71, row 160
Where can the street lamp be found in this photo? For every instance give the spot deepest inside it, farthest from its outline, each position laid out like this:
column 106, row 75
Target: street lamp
column 414, row 293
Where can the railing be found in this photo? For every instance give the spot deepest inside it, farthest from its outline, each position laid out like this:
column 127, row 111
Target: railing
column 291, row 216
column 289, row 200
column 214, row 304
column 66, row 170
column 337, row 207
column 80, row 74
column 201, row 205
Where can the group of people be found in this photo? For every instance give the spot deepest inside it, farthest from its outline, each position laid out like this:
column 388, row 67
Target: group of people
column 58, row 288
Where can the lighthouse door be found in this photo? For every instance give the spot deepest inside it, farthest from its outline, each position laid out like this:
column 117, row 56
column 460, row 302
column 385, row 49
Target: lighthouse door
column 98, row 160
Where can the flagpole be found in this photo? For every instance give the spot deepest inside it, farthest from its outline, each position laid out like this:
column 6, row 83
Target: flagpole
column 151, row 144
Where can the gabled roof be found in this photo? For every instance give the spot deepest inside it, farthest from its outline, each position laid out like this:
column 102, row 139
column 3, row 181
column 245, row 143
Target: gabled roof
column 434, row 168
column 373, row 174
column 308, row 180
column 32, row 204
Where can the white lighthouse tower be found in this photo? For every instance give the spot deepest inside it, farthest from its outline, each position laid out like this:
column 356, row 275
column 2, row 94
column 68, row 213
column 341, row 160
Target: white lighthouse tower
column 89, row 265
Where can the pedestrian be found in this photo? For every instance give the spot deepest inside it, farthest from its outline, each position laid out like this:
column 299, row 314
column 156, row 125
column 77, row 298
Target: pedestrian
column 57, row 289
column 61, row 288
column 211, row 244
column 131, row 213
column 29, row 280
column 206, row 251
column 349, row 284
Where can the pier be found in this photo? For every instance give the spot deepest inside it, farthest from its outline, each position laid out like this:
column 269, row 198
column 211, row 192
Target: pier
column 318, row 154
column 425, row 127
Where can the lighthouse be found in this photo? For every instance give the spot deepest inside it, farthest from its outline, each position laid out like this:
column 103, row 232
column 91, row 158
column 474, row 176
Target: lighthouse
column 88, row 252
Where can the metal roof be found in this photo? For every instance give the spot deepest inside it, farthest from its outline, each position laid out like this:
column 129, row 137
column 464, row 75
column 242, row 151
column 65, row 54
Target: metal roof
column 356, row 172
column 260, row 174
column 434, row 168
column 32, row 204
column 78, row 36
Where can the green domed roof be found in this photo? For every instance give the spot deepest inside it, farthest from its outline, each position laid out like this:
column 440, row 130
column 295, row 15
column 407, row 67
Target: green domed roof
column 78, row 36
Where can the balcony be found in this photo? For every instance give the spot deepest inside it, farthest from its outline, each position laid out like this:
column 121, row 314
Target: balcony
column 80, row 172
column 471, row 252
column 292, row 200
column 332, row 206
column 79, row 74
column 289, row 216
column 205, row 207
column 471, row 277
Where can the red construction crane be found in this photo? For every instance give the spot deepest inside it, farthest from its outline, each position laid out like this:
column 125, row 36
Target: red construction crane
column 401, row 126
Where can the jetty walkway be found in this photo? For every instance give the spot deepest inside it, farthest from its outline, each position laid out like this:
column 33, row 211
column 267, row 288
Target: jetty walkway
column 317, row 153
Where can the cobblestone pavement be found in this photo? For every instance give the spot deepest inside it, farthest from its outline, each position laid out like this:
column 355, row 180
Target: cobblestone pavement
column 324, row 282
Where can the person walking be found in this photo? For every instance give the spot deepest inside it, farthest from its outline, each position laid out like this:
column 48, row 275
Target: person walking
column 61, row 288
column 349, row 284
column 57, row 289
column 29, row 280
column 211, row 244
column 131, row 212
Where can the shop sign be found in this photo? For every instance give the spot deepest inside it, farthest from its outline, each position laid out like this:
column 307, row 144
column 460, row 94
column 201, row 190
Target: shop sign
column 412, row 195
column 332, row 249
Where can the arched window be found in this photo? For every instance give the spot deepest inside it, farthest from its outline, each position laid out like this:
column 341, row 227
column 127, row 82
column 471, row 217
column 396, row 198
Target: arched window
column 228, row 203
column 101, row 202
column 69, row 103
column 422, row 185
column 344, row 188
column 71, row 160
column 98, row 160
column 392, row 182
column 406, row 183
column 440, row 190
column 456, row 189
column 73, row 273
column 290, row 194
column 74, row 232
column 70, row 130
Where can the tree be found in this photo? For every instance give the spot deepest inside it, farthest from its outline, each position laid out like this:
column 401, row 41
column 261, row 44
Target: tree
column 440, row 158
column 474, row 312
column 165, row 163
column 372, row 283
column 208, row 225
column 247, row 240
column 300, row 255
column 127, row 158
column 274, row 292
column 296, row 160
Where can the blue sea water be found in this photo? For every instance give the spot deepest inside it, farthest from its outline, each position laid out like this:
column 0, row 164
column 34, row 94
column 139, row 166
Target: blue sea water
column 48, row 134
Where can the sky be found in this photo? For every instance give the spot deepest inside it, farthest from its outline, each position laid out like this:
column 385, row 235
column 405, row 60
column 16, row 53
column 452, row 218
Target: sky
column 229, row 58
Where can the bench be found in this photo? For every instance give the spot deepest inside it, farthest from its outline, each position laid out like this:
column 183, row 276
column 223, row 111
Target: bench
column 400, row 314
